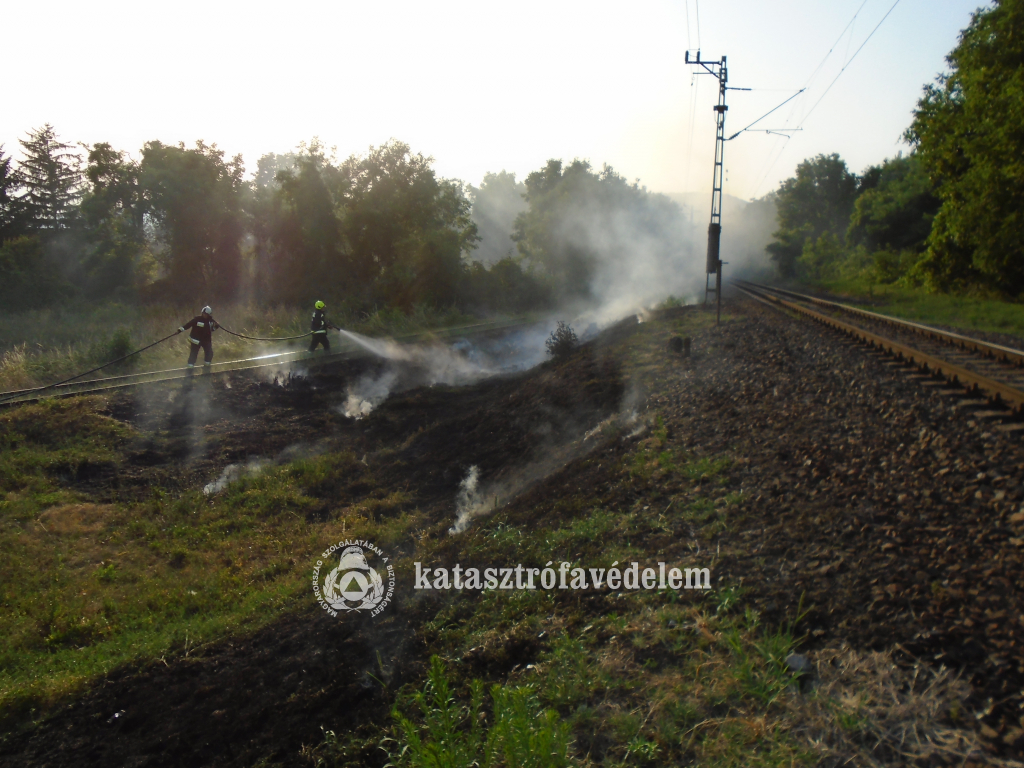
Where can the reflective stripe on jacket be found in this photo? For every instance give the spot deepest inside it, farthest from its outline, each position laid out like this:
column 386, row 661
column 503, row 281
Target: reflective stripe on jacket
column 202, row 329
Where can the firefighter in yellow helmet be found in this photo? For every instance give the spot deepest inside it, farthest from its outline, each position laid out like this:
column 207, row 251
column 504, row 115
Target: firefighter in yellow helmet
column 319, row 326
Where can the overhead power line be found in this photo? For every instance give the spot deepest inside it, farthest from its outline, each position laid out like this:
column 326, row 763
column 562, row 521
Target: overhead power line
column 849, row 62
column 838, row 40
column 762, row 117
column 696, row 5
column 818, row 68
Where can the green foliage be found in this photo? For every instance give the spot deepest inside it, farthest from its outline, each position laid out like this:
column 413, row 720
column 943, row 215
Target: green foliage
column 760, row 660
column 27, row 277
column 194, row 199
column 521, row 732
column 50, row 178
column 113, row 211
column 562, row 342
column 12, row 215
column 816, row 202
column 117, row 345
column 833, row 225
column 896, row 207
column 378, row 229
column 967, row 131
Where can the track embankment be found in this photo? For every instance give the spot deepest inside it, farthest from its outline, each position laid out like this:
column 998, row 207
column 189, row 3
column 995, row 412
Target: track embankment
column 839, row 494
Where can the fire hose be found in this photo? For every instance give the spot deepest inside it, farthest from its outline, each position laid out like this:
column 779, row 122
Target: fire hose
column 86, row 373
column 137, row 351
column 264, row 338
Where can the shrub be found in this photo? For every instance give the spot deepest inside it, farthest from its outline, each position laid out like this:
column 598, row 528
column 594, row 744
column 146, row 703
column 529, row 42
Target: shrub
column 562, row 342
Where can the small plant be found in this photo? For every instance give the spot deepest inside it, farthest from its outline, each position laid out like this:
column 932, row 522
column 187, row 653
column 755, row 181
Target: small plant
column 107, row 572
column 562, row 342
column 521, row 732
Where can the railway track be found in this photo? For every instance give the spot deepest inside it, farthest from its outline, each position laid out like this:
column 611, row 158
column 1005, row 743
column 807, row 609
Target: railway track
column 987, row 379
column 282, row 360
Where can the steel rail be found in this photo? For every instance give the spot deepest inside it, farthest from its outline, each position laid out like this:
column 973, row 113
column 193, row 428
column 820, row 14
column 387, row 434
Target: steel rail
column 995, row 390
column 353, row 351
column 996, row 351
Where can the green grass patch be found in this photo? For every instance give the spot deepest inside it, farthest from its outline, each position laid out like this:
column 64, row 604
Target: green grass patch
column 918, row 305
column 86, row 586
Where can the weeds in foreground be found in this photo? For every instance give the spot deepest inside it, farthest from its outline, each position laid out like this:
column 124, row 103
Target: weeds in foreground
column 445, row 734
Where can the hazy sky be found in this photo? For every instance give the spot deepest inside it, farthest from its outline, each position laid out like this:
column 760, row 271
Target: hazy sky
column 480, row 86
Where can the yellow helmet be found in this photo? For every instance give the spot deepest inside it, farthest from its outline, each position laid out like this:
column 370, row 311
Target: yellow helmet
column 319, row 305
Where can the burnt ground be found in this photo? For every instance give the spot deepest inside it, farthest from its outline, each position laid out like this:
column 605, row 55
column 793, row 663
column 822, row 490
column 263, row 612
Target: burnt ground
column 871, row 502
column 268, row 694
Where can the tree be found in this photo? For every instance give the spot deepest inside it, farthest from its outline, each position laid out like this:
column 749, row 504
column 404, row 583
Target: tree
column 262, row 208
column 815, row 202
column 496, row 203
column 895, row 211
column 51, row 181
column 12, row 215
column 194, row 198
column 967, row 130
column 28, row 279
column 113, row 211
column 406, row 230
column 303, row 204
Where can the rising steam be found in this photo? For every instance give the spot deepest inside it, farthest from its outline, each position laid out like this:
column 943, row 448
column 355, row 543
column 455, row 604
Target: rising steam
column 233, row 472
column 469, row 503
column 417, row 365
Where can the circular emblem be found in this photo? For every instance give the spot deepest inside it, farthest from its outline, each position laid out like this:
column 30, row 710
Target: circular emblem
column 353, row 584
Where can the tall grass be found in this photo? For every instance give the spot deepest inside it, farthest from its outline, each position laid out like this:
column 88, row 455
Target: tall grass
column 41, row 346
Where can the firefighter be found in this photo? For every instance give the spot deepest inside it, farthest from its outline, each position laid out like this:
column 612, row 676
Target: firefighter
column 319, row 327
column 202, row 327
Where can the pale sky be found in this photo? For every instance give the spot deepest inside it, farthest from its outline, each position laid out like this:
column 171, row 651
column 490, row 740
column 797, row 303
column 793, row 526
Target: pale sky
column 480, row 86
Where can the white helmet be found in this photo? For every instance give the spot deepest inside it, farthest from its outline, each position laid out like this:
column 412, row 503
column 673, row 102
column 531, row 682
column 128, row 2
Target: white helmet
column 207, row 310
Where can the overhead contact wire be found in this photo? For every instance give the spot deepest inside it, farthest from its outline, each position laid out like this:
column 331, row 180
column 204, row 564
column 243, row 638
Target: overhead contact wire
column 850, row 61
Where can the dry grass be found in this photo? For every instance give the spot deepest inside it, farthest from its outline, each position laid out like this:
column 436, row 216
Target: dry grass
column 41, row 346
column 868, row 711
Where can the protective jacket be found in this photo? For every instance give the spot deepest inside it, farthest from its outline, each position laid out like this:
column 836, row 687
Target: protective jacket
column 320, row 323
column 202, row 329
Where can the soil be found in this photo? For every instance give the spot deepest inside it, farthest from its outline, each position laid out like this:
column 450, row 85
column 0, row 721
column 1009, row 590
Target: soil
column 870, row 502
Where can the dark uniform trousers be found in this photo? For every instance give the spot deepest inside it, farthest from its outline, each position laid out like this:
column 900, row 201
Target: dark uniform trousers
column 320, row 337
column 193, row 354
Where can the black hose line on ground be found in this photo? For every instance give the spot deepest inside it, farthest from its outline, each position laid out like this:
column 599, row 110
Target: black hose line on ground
column 137, row 351
column 263, row 338
column 86, row 373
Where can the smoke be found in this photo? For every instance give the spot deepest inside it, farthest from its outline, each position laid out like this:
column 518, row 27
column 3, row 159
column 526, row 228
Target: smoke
column 747, row 229
column 610, row 248
column 459, row 363
column 256, row 465
column 233, row 472
column 475, row 499
column 368, row 393
column 496, row 203
column 468, row 503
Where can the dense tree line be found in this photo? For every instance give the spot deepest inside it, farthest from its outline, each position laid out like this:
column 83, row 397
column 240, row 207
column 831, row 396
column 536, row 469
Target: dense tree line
column 950, row 215
column 377, row 230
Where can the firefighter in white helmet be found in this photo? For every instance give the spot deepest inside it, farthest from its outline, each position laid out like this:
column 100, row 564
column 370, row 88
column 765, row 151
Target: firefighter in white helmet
column 202, row 326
